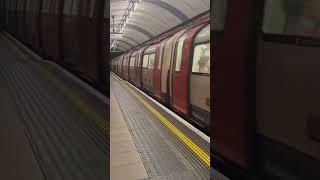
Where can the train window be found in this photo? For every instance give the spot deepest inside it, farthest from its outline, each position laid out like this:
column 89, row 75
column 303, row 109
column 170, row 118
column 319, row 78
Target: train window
column 203, row 35
column 160, row 57
column 151, row 60
column 288, row 17
column 67, row 7
column 92, row 6
column 126, row 61
column 179, row 49
column 28, row 6
column 218, row 12
column 84, row 8
column 201, row 59
column 17, row 7
column 44, row 6
column 21, row 6
column 57, row 3
column 145, row 61
column 106, row 10
column 132, row 61
column 75, row 7
column 51, row 7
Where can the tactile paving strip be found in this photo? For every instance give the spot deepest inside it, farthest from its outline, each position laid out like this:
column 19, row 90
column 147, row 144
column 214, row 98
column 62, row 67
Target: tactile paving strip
column 67, row 143
column 163, row 154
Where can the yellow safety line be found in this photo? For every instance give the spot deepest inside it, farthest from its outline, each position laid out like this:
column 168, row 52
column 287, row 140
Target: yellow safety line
column 194, row 147
column 98, row 119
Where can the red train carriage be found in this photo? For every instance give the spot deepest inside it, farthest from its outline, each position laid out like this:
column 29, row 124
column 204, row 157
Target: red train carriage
column 125, row 66
column 199, row 80
column 180, row 65
column 2, row 14
column 20, row 20
column 266, row 98
column 132, row 68
column 120, row 65
column 147, row 68
column 116, row 65
column 157, row 70
column 138, row 79
column 181, row 71
column 50, row 27
column 68, row 32
column 166, row 70
column 12, row 17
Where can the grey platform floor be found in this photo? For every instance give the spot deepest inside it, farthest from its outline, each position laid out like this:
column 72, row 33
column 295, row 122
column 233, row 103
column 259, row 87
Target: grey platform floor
column 51, row 127
column 163, row 154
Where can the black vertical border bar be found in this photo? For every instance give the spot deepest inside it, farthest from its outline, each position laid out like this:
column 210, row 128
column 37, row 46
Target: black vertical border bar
column 103, row 7
column 102, row 32
column 255, row 31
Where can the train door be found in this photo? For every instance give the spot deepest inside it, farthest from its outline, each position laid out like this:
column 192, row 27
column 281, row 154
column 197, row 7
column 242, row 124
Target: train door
column 200, row 78
column 37, row 33
column 157, row 70
column 132, row 68
column 116, row 65
column 28, row 21
column 139, row 67
column 21, row 22
column 168, row 52
column 234, row 42
column 150, row 72
column 181, row 72
column 10, row 16
column 287, row 89
column 144, row 71
column 2, row 10
column 126, row 66
column 121, row 65
column 156, row 73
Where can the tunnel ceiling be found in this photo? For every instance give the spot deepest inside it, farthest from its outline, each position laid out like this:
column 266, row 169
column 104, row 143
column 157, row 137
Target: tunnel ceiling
column 139, row 21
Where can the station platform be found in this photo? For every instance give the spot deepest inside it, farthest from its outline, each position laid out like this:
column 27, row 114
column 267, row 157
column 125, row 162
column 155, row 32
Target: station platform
column 154, row 142
column 53, row 126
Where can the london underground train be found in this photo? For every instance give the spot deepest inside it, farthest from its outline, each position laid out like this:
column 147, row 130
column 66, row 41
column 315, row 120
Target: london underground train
column 266, row 83
column 175, row 71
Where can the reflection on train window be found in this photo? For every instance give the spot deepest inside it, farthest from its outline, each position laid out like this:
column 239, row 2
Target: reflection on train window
column 179, row 53
column 132, row 61
column 139, row 61
column 83, row 9
column 151, row 61
column 145, row 61
column 92, row 8
column 106, row 9
column 52, row 7
column 67, row 7
column 218, row 12
column 28, row 6
column 56, row 7
column 19, row 8
column 298, row 17
column 160, row 57
column 201, row 59
column 75, row 7
column 43, row 8
column 126, row 61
